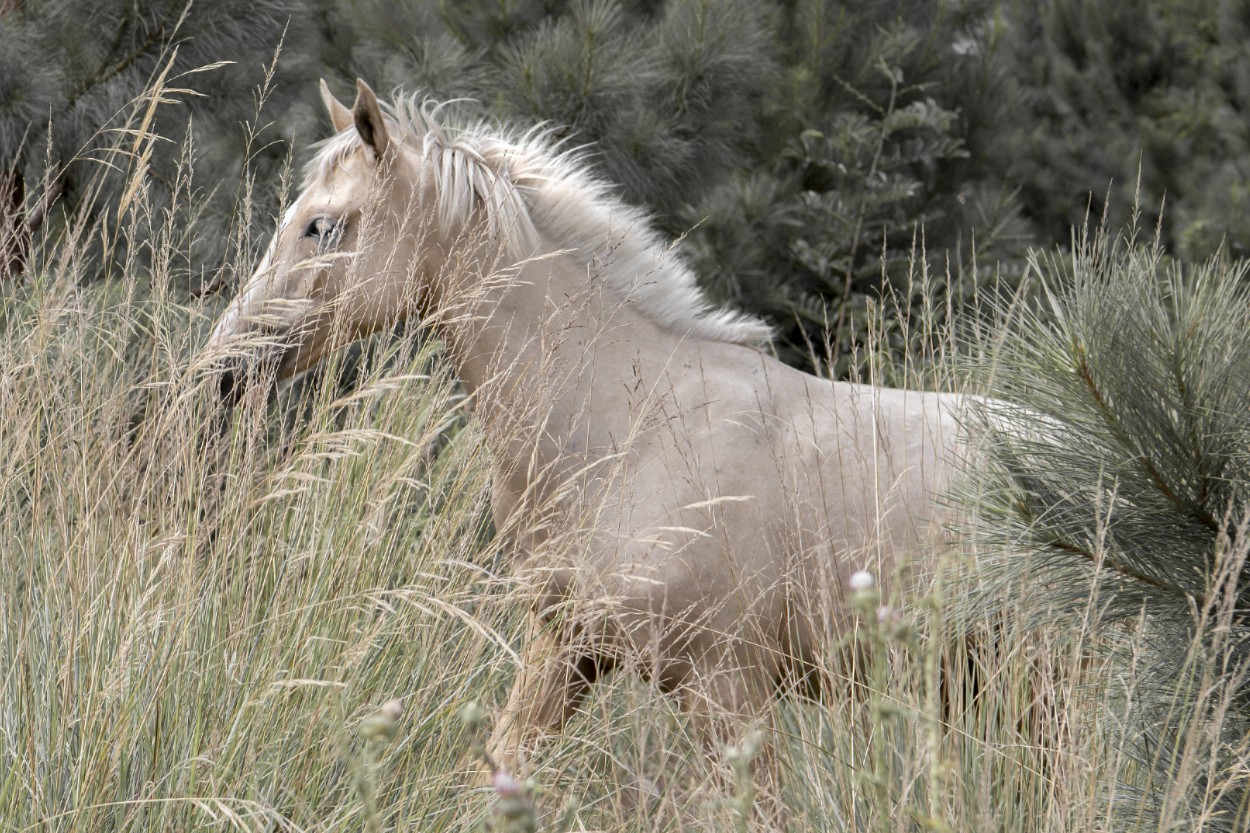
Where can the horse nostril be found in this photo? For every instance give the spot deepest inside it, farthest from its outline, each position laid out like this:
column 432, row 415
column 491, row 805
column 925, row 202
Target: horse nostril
column 237, row 375
column 230, row 386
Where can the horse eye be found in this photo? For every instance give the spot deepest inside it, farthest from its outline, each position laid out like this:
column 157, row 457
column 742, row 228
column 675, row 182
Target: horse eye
column 327, row 231
column 321, row 227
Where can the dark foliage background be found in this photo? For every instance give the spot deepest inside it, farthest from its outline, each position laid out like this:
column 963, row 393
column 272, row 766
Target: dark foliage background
column 803, row 147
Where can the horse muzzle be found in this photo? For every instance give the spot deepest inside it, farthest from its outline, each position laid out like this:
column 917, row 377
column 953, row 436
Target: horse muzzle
column 263, row 359
column 237, row 375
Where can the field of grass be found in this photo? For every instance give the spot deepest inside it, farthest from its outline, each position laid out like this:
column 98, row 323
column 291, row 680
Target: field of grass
column 204, row 615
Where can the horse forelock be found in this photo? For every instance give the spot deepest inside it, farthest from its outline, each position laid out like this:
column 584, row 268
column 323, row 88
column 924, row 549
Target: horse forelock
column 528, row 185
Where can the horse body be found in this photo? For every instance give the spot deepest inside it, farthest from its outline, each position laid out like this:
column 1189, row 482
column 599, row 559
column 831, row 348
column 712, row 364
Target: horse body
column 682, row 503
column 695, row 504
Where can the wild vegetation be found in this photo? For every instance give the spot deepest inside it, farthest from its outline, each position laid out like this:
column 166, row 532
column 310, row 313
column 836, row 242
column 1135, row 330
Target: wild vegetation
column 207, row 615
column 799, row 146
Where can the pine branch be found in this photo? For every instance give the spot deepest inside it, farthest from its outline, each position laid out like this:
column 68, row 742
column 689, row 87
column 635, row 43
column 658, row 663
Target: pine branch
column 1156, row 397
column 1085, row 374
column 859, row 220
column 106, row 74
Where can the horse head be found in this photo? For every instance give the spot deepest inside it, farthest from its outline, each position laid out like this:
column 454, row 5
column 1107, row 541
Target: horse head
column 342, row 261
column 403, row 212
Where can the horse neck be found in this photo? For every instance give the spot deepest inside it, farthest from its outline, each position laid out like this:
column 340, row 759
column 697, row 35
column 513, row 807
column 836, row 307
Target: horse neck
column 529, row 347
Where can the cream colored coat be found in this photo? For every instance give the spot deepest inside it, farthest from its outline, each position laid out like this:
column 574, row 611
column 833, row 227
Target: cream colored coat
column 678, row 501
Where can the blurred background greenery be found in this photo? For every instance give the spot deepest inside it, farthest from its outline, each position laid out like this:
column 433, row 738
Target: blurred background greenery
column 805, row 148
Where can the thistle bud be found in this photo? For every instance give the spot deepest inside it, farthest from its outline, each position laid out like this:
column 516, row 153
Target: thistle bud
column 864, row 595
column 862, row 580
column 382, row 723
column 514, row 813
column 472, row 716
column 504, row 784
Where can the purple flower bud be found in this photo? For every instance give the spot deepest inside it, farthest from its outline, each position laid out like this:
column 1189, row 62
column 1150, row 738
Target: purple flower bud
column 505, row 785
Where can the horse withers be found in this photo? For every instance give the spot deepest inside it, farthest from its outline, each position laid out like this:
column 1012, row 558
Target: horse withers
column 686, row 506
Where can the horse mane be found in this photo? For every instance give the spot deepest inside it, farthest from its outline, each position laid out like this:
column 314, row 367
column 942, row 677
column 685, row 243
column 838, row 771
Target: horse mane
column 525, row 183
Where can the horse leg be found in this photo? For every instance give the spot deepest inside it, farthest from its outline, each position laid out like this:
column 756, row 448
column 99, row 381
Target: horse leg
column 558, row 667
column 725, row 701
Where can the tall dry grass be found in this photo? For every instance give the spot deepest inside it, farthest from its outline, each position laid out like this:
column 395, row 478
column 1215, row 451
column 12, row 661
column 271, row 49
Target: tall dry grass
column 204, row 613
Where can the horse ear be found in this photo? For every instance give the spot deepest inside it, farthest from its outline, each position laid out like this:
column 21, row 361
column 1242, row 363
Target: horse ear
column 340, row 116
column 368, row 117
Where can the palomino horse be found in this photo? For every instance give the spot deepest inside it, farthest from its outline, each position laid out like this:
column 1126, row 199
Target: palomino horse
column 685, row 504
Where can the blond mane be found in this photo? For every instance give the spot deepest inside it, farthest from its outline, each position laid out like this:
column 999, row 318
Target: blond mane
column 527, row 188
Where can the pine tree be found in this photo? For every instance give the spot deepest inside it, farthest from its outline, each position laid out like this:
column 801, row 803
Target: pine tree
column 70, row 72
column 801, row 148
column 797, row 146
column 665, row 94
column 1115, row 480
column 830, row 114
column 1143, row 103
column 850, row 172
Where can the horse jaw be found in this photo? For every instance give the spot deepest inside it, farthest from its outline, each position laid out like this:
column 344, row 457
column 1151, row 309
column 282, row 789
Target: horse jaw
column 256, row 337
